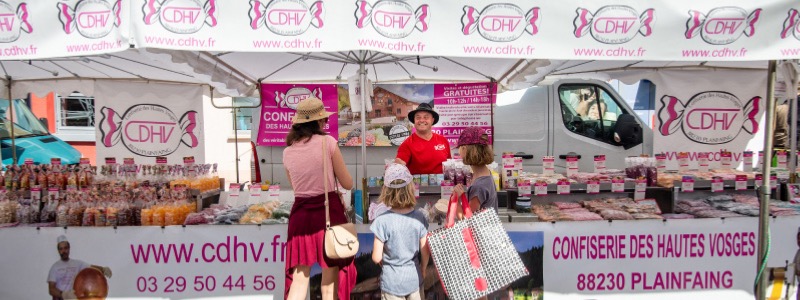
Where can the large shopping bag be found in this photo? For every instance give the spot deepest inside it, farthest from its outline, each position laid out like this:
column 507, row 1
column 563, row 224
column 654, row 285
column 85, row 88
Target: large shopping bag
column 474, row 256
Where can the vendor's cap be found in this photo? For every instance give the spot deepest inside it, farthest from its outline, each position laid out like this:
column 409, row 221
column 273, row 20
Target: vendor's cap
column 426, row 108
column 61, row 239
column 310, row 109
column 473, row 136
column 397, row 172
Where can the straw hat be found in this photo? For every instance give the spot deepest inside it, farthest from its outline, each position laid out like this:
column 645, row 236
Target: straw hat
column 310, row 109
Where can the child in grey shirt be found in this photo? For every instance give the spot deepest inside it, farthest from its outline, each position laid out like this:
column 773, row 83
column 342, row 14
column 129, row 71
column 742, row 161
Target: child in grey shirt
column 400, row 245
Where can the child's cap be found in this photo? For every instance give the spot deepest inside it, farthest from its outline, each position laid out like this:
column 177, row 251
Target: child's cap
column 395, row 172
column 473, row 136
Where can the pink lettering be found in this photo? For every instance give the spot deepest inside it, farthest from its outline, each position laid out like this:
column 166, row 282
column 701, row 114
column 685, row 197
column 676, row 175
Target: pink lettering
column 286, row 16
column 295, row 99
column 723, row 25
column 614, row 25
column 500, row 23
column 187, row 15
column 93, row 19
column 712, row 118
column 392, row 19
column 7, row 22
column 149, row 132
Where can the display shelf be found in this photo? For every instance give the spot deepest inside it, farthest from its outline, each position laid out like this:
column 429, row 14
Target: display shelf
column 706, row 184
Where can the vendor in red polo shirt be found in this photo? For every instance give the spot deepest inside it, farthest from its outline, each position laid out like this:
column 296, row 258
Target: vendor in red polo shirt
column 424, row 151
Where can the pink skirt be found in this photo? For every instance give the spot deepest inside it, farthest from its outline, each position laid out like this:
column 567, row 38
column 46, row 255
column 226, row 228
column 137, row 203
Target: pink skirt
column 305, row 244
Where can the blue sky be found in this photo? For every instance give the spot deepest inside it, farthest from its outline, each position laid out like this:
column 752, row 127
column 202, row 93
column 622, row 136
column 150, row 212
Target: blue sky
column 415, row 92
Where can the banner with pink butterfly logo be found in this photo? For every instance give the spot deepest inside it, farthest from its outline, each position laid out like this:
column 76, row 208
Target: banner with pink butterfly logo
column 148, row 120
column 279, row 105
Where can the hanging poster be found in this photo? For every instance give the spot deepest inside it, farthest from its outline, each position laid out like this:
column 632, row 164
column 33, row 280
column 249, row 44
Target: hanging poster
column 279, row 103
column 459, row 106
column 706, row 112
column 463, row 105
column 149, row 120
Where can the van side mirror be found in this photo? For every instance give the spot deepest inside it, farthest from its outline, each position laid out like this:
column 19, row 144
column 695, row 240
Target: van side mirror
column 43, row 121
column 629, row 131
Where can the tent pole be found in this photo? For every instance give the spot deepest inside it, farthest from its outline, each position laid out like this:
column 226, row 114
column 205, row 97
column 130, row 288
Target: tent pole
column 362, row 81
column 763, row 220
column 11, row 119
column 792, row 95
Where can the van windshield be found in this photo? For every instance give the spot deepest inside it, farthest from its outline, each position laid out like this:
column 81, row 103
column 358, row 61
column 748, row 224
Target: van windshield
column 25, row 122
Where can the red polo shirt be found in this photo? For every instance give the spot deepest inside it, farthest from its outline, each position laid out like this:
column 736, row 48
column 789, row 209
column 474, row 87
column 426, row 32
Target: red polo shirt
column 424, row 157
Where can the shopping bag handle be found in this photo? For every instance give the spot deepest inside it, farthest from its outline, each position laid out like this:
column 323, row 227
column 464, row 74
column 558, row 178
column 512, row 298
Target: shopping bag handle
column 452, row 210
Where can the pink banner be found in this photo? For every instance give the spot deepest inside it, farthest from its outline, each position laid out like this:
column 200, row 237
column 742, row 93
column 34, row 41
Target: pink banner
column 278, row 105
column 463, row 105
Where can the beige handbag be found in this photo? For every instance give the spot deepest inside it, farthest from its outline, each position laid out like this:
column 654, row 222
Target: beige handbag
column 341, row 241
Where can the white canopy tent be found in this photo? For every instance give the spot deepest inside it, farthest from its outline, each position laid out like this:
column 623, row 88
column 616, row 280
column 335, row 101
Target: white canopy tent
column 536, row 40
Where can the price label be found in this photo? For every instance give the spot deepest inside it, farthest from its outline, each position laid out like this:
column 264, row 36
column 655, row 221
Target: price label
column 518, row 163
column 233, row 189
column 716, row 185
column 111, row 160
column 128, row 161
column 524, row 188
column 618, row 185
column 563, row 188
column 55, row 161
column 161, row 160
column 28, row 161
column 683, row 162
column 274, row 192
column 760, row 160
column 447, row 189
column 783, row 162
column 85, row 162
column 572, row 165
column 748, row 161
column 640, row 189
column 508, row 161
column 36, row 193
column 599, row 163
column 702, row 162
column 741, row 182
column 548, row 165
column 726, row 160
column 255, row 190
column 540, row 188
column 687, row 184
column 661, row 162
column 52, row 192
column 592, row 187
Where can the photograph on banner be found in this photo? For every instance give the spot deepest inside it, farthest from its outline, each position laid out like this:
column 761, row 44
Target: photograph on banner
column 148, row 120
column 279, row 105
column 458, row 105
column 529, row 246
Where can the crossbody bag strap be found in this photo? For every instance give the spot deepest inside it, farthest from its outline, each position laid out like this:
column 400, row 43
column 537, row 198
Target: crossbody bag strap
column 325, row 180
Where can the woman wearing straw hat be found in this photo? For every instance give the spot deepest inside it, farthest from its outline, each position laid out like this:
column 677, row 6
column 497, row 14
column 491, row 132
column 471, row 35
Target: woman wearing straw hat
column 424, row 151
column 303, row 159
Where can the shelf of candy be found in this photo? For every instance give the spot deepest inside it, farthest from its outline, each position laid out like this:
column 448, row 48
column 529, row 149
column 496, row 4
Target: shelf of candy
column 668, row 179
column 548, row 178
column 266, row 213
column 642, row 167
column 598, row 209
column 603, row 176
column 733, row 205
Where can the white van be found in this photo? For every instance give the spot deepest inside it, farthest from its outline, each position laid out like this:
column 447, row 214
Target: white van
column 568, row 117
column 545, row 121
